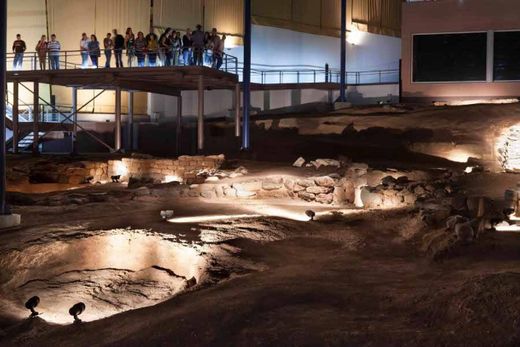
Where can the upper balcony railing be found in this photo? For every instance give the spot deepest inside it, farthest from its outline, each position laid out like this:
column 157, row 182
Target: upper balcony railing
column 67, row 60
column 262, row 74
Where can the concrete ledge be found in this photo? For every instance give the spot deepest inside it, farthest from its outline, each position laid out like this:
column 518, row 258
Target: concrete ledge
column 10, row 220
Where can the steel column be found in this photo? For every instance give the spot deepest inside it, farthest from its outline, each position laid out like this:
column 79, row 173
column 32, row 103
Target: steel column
column 36, row 117
column 74, row 119
column 179, row 125
column 16, row 112
column 3, row 92
column 200, row 115
column 117, row 142
column 343, row 47
column 246, row 89
column 237, row 110
column 130, row 122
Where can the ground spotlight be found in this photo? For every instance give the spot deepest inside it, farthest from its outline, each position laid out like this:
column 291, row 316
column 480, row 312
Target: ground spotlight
column 167, row 214
column 115, row 178
column 31, row 304
column 311, row 214
column 76, row 310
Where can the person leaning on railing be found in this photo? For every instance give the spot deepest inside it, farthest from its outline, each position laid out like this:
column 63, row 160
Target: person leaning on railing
column 198, row 45
column 41, row 50
column 54, row 48
column 218, row 51
column 165, row 47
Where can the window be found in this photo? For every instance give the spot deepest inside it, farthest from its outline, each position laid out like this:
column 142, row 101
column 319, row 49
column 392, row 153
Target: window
column 506, row 65
column 449, row 57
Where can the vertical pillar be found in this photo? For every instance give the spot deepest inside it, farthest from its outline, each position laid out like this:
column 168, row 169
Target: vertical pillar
column 130, row 122
column 117, row 142
column 342, row 83
column 179, row 125
column 16, row 112
column 200, row 117
column 490, row 59
column 237, row 110
column 74, row 119
column 3, row 91
column 36, row 117
column 246, row 79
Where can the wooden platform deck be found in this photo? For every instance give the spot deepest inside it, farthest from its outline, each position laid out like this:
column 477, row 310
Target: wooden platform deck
column 160, row 80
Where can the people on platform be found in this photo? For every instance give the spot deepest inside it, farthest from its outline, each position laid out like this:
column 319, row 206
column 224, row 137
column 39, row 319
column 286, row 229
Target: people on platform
column 41, row 50
column 108, row 44
column 54, row 48
column 19, row 48
column 172, row 48
column 198, row 45
column 130, row 46
column 187, row 45
column 94, row 50
column 83, row 46
column 140, row 49
column 152, row 47
column 119, row 45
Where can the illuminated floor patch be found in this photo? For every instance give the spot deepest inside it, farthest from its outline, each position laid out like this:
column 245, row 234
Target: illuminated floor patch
column 110, row 271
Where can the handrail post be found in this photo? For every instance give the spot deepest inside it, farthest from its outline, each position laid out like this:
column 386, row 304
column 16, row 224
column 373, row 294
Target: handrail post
column 314, row 73
column 298, row 77
column 66, row 60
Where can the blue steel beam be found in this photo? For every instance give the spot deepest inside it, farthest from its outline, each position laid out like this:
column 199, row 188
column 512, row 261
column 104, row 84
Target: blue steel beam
column 246, row 78
column 3, row 89
column 342, row 96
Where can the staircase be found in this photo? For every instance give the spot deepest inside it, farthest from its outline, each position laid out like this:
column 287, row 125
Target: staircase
column 25, row 133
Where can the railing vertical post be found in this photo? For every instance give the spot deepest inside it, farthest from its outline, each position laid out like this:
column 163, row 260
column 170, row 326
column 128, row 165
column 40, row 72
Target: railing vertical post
column 327, row 71
column 200, row 115
column 379, row 76
column 36, row 118
column 298, row 77
column 314, row 75
column 66, row 60
column 225, row 62
column 281, row 78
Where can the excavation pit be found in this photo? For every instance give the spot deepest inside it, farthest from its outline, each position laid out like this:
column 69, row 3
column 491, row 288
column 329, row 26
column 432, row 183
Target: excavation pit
column 110, row 271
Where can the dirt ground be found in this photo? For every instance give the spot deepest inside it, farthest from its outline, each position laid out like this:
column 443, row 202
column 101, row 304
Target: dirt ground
column 355, row 278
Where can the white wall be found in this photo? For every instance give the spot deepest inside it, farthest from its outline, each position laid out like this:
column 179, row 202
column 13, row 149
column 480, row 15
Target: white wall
column 275, row 46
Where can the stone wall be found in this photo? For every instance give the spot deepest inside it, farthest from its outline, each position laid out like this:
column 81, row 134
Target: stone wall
column 185, row 169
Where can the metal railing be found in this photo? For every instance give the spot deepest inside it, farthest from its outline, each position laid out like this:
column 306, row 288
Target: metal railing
column 67, row 60
column 288, row 76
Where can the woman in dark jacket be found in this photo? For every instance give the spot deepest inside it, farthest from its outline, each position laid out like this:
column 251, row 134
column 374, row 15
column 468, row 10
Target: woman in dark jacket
column 93, row 50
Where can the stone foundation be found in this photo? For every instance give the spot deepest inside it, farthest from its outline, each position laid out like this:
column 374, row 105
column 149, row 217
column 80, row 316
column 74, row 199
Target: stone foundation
column 185, row 169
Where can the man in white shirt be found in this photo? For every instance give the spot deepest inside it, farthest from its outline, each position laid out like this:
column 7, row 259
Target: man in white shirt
column 83, row 46
column 54, row 47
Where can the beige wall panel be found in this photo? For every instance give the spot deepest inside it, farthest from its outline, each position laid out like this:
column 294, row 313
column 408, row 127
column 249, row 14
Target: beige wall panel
column 307, row 11
column 225, row 15
column 279, row 9
column 120, row 14
column 178, row 14
column 330, row 14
